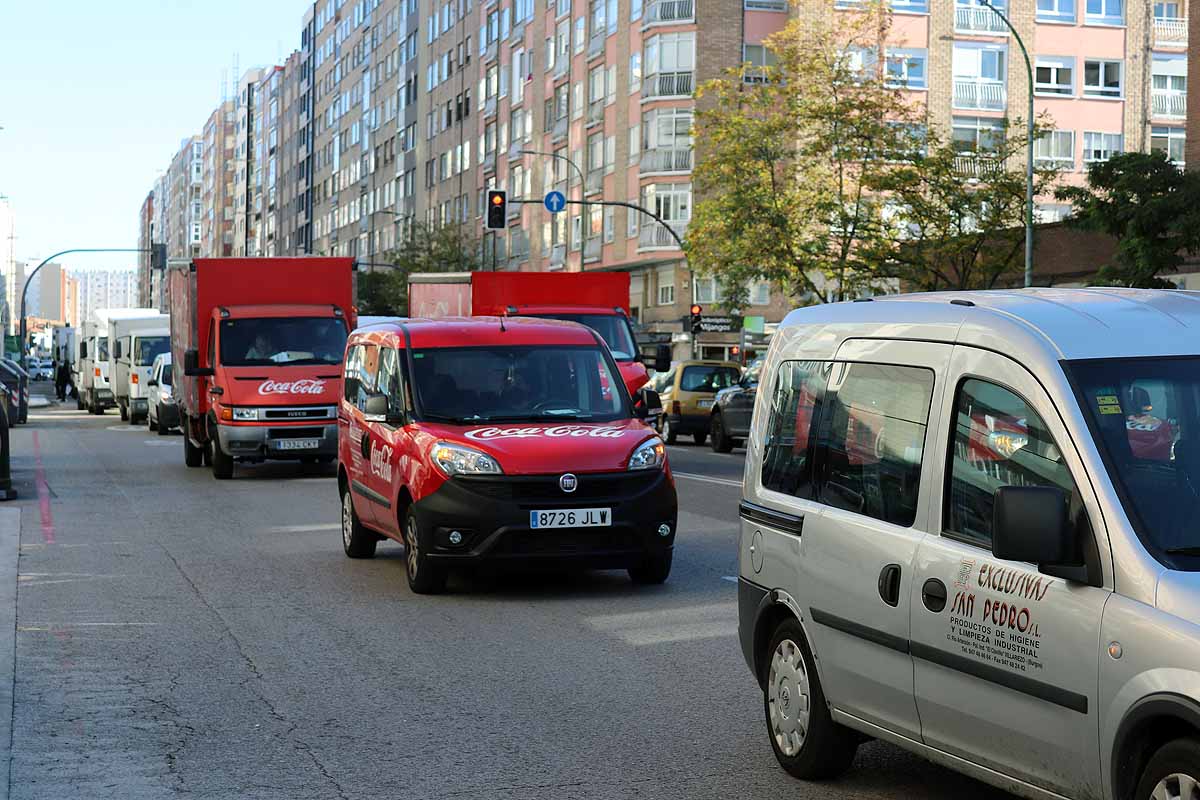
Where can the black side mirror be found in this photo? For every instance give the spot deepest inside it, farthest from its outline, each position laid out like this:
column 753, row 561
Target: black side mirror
column 83, row 349
column 191, row 365
column 662, row 358
column 376, row 408
column 152, row 383
column 1033, row 523
column 648, row 405
column 117, row 349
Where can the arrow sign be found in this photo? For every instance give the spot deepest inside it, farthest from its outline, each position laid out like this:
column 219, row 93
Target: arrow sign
column 555, row 202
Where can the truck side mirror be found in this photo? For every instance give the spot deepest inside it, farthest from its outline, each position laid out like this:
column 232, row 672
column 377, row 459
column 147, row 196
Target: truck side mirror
column 83, row 349
column 191, row 365
column 1033, row 524
column 375, row 409
column 662, row 358
column 117, row 350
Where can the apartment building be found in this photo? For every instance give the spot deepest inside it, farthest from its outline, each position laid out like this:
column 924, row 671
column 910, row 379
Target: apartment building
column 217, row 182
column 146, row 238
column 246, row 104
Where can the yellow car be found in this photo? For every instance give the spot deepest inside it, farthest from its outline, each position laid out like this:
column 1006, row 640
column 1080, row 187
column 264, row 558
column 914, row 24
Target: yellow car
column 688, row 392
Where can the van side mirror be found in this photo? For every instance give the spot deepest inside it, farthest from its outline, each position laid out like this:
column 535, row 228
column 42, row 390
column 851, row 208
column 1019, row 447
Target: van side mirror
column 648, row 405
column 375, row 409
column 117, row 350
column 151, row 383
column 83, row 349
column 191, row 365
column 662, row 358
column 1033, row 523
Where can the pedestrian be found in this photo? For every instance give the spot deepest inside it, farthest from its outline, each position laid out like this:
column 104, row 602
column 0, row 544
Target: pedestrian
column 62, row 377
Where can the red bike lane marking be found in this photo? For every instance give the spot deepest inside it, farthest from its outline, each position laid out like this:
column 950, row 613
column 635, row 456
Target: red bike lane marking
column 43, row 490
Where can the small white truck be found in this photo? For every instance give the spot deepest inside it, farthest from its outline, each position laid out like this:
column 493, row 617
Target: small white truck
column 134, row 342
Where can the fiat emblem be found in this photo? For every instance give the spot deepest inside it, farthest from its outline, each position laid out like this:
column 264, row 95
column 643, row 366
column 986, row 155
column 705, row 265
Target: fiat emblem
column 568, row 483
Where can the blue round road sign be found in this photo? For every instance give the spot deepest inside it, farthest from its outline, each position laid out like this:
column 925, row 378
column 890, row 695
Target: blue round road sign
column 555, row 202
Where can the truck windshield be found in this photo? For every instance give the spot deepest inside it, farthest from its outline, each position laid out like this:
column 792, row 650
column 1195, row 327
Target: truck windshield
column 150, row 347
column 277, row 341
column 512, row 384
column 1146, row 412
column 613, row 329
column 102, row 348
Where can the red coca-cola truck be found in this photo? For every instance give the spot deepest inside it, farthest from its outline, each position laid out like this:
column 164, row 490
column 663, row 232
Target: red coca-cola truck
column 599, row 300
column 257, row 345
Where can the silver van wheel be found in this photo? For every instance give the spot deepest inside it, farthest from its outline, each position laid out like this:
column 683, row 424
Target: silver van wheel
column 347, row 519
column 788, row 697
column 412, row 552
column 1177, row 786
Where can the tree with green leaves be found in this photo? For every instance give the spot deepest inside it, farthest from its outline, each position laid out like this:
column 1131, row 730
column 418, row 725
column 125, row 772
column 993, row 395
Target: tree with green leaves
column 788, row 154
column 1149, row 205
column 383, row 290
column 958, row 215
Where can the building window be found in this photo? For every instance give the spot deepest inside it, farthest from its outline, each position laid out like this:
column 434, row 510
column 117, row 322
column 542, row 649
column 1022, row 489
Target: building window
column 666, row 286
column 635, row 72
column 1052, row 212
column 1104, row 12
column 1056, row 10
column 1054, row 75
column 671, row 52
column 979, row 77
column 1055, row 149
column 1101, row 146
column 906, row 6
column 759, row 293
column 977, row 134
column 905, row 69
column 1169, row 141
column 1101, row 78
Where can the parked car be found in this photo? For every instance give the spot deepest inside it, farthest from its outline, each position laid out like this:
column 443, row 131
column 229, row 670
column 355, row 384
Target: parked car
column 18, row 381
column 729, row 424
column 688, row 393
column 41, row 369
column 968, row 529
column 164, row 412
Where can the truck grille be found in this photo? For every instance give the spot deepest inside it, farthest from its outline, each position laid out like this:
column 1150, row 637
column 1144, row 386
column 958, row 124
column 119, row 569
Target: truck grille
column 312, row 412
column 295, row 433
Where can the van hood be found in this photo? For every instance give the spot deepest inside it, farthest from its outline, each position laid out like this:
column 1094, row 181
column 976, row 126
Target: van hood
column 1179, row 594
column 280, row 386
column 533, row 449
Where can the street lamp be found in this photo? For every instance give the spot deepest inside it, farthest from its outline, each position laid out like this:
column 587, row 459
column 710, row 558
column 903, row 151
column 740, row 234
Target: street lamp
column 582, row 190
column 1029, row 154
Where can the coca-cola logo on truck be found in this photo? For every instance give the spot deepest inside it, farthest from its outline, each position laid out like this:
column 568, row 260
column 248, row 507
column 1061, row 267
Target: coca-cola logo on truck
column 303, row 386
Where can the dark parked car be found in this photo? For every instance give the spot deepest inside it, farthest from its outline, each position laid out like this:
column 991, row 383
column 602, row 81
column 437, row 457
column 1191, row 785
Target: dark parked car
column 729, row 423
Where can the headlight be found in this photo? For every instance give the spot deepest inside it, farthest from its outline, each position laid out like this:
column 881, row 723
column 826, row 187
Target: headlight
column 650, row 455
column 245, row 414
column 454, row 459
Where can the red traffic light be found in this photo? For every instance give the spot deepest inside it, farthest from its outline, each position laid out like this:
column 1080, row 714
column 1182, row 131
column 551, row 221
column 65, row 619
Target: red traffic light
column 696, row 309
column 735, row 351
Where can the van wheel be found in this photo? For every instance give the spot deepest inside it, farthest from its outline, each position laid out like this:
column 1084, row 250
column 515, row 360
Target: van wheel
column 807, row 742
column 1173, row 772
column 357, row 541
column 423, row 577
column 222, row 462
column 163, row 430
column 668, row 431
column 721, row 443
column 124, row 414
column 700, row 438
column 192, row 456
column 653, row 570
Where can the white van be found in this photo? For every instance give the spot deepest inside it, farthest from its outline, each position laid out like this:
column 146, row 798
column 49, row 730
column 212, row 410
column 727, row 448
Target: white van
column 134, row 342
column 969, row 529
column 95, row 394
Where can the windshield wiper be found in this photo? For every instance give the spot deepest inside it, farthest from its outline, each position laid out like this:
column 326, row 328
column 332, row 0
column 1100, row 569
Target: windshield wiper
column 1192, row 550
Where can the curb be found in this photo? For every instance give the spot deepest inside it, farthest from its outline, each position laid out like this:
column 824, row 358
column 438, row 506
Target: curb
column 10, row 547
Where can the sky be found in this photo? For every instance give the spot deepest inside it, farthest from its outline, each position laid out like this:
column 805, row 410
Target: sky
column 95, row 98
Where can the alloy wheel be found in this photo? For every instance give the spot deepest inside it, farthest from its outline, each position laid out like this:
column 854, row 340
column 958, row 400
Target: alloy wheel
column 788, row 695
column 410, row 548
column 1177, row 786
column 347, row 519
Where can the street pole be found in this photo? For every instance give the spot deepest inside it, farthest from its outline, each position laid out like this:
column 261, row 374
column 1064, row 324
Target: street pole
column 1029, row 148
column 582, row 193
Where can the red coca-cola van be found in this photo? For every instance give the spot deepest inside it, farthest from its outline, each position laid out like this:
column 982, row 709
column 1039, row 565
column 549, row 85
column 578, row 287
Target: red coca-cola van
column 477, row 440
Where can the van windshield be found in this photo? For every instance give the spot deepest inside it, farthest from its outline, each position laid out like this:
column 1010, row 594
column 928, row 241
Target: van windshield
column 1146, row 412
column 278, row 341
column 613, row 329
column 516, row 384
column 148, row 348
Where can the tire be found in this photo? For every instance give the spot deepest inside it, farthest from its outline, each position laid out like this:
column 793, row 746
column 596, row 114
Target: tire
column 222, row 462
column 192, row 456
column 357, row 541
column 807, row 742
column 423, row 577
column 163, row 430
column 700, row 438
column 124, row 413
column 652, row 571
column 150, row 423
column 721, row 443
column 668, row 432
column 1173, row 771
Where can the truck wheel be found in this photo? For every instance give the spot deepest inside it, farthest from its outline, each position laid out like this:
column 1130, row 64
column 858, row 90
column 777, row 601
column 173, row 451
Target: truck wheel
column 1173, row 772
column 807, row 742
column 668, row 431
column 150, row 423
column 699, row 438
column 222, row 462
column 423, row 577
column 124, row 413
column 192, row 456
column 653, row 570
column 357, row 541
column 721, row 443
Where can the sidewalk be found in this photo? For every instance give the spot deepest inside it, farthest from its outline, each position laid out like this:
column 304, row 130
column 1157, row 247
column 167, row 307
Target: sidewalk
column 10, row 543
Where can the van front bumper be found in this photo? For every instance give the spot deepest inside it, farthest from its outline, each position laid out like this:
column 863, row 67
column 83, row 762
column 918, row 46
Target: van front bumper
column 492, row 514
column 271, row 442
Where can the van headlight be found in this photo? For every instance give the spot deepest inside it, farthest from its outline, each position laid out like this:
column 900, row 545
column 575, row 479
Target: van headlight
column 245, row 414
column 455, row 459
column 649, row 455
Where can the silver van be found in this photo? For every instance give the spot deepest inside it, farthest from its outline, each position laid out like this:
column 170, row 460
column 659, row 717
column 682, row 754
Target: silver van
column 971, row 527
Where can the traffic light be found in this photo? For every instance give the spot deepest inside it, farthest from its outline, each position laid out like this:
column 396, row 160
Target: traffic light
column 735, row 353
column 694, row 324
column 497, row 210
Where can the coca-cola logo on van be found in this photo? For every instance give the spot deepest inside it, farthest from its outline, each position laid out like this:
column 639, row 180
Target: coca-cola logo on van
column 304, row 386
column 557, row 432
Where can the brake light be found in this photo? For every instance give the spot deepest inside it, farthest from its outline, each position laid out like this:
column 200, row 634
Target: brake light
column 675, row 407
column 133, row 378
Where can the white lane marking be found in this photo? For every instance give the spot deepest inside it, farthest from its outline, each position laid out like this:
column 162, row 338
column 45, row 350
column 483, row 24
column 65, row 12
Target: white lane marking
column 58, row 626
column 126, row 428
column 159, row 443
column 302, row 528
column 691, row 476
column 670, row 625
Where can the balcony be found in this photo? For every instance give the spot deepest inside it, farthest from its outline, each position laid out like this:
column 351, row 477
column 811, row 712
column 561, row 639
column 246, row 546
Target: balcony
column 591, row 249
column 560, row 129
column 1165, row 103
column 671, row 12
column 595, row 46
column 979, row 19
column 664, row 159
column 595, row 182
column 656, row 236
column 974, row 165
column 667, row 84
column 595, row 112
column 981, row 94
column 1170, row 31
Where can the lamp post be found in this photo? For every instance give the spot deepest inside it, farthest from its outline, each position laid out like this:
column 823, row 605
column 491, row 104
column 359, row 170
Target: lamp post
column 1029, row 153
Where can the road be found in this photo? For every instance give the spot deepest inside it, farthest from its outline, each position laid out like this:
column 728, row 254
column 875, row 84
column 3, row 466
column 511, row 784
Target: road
column 177, row 636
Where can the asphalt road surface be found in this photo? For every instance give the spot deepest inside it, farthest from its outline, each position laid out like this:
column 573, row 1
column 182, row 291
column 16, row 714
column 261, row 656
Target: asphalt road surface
column 177, row 636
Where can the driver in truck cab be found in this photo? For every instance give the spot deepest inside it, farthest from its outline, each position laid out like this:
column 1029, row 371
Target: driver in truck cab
column 477, row 441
